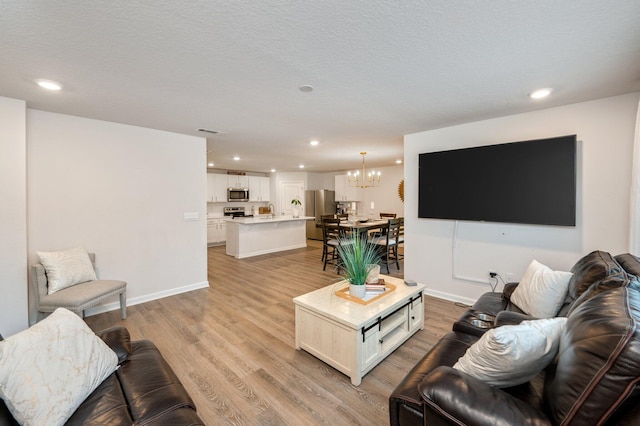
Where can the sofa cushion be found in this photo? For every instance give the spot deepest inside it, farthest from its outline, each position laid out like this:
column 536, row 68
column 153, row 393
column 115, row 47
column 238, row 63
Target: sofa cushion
column 541, row 291
column 591, row 268
column 630, row 263
column 598, row 364
column 150, row 386
column 405, row 402
column 513, row 354
column 65, row 268
column 47, row 370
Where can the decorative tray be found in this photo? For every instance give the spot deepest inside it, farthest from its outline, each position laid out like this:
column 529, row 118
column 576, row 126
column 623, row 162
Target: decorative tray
column 370, row 297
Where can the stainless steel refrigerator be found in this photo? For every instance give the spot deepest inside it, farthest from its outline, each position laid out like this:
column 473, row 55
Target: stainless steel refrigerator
column 317, row 203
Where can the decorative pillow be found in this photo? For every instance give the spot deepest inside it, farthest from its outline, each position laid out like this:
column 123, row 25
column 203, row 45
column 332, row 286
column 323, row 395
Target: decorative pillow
column 48, row 370
column 541, row 290
column 513, row 354
column 66, row 268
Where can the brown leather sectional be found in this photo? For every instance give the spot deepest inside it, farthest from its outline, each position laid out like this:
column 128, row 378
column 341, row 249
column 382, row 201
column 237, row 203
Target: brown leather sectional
column 144, row 390
column 593, row 380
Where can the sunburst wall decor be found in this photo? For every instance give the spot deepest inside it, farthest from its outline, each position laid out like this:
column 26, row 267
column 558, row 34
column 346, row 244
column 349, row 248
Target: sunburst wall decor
column 401, row 190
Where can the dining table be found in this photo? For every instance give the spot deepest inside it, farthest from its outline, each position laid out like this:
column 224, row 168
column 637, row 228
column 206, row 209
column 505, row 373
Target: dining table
column 363, row 227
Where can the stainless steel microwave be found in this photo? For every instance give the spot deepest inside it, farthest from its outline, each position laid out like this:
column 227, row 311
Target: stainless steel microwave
column 237, row 194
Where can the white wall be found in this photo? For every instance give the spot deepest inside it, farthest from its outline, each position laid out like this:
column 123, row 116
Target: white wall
column 321, row 181
column 13, row 214
column 119, row 191
column 605, row 130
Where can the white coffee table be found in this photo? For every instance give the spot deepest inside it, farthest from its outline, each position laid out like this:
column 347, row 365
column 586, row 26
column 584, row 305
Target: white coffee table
column 353, row 337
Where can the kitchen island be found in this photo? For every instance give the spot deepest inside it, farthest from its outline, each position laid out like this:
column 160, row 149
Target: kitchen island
column 253, row 236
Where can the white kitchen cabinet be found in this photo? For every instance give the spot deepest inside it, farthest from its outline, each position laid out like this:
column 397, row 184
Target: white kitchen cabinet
column 216, row 231
column 237, row 181
column 216, row 188
column 346, row 192
column 259, row 188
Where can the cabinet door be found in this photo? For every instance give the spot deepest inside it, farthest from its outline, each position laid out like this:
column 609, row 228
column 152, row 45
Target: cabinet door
column 416, row 315
column 237, row 181
column 220, row 188
column 265, row 189
column 353, row 193
column 211, row 232
column 370, row 348
column 254, row 188
column 223, row 231
column 339, row 187
column 344, row 190
column 210, row 187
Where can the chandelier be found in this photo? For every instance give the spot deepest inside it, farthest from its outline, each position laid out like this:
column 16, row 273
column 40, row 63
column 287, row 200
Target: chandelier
column 366, row 180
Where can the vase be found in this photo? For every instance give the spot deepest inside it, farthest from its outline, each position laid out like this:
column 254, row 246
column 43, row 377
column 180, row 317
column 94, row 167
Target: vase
column 374, row 274
column 296, row 212
column 358, row 290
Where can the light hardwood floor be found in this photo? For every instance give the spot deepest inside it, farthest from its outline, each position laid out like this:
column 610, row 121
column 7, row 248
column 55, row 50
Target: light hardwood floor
column 232, row 345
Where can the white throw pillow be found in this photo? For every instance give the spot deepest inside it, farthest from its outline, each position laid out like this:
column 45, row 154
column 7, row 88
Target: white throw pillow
column 513, row 354
column 48, row 370
column 541, row 290
column 66, row 267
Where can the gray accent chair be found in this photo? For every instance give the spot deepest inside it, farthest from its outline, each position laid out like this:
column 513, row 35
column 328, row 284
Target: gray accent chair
column 78, row 297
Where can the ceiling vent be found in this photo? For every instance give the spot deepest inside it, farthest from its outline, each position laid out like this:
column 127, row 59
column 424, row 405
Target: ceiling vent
column 213, row 132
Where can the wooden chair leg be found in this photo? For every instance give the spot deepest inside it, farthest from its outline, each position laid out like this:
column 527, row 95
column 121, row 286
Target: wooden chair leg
column 123, row 305
column 395, row 254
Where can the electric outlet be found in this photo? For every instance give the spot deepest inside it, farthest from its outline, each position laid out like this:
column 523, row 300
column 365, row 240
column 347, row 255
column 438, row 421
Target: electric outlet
column 509, row 277
column 492, row 273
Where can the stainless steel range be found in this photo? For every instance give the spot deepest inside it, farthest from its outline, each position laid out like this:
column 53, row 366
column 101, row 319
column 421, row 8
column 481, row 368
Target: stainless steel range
column 234, row 211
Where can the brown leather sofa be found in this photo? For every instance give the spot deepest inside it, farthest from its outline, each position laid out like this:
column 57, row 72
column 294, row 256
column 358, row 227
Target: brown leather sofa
column 593, row 380
column 144, row 390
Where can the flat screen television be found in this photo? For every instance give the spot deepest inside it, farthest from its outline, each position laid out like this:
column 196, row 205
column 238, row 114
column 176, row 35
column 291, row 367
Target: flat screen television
column 529, row 182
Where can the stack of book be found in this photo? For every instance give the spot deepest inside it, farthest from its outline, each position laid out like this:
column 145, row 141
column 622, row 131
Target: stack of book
column 376, row 287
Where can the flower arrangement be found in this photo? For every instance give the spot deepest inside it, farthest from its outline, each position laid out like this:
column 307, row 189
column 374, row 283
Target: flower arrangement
column 296, row 202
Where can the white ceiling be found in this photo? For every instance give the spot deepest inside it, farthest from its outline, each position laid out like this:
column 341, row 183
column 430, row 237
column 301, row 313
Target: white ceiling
column 379, row 69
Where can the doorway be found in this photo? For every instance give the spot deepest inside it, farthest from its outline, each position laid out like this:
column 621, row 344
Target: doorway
column 289, row 191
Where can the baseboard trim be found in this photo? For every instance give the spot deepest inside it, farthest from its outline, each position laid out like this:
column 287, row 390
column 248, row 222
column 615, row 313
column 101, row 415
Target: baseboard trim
column 449, row 296
column 146, row 298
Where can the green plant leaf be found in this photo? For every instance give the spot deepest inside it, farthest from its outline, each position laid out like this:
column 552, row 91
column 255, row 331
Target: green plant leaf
column 356, row 257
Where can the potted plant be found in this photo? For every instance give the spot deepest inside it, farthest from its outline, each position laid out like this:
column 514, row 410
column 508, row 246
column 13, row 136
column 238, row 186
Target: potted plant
column 296, row 203
column 358, row 257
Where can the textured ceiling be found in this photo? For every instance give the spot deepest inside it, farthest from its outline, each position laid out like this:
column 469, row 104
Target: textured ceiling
column 380, row 69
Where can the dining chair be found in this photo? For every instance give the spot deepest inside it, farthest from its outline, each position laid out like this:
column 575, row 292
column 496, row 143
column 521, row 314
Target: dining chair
column 388, row 242
column 330, row 238
column 382, row 231
column 401, row 239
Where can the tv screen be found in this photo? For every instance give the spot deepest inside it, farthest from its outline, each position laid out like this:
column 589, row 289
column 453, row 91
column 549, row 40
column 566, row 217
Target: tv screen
column 529, row 182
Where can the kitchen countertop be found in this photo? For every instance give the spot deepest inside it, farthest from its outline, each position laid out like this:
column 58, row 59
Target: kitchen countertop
column 264, row 219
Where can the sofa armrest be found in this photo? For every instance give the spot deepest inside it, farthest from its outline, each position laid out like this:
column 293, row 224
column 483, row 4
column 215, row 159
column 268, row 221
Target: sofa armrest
column 508, row 290
column 457, row 398
column 118, row 339
column 511, row 318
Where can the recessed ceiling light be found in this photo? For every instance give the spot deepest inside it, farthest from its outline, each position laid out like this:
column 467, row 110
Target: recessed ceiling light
column 398, row 161
column 314, row 143
column 273, row 170
column 306, row 88
column 49, row 85
column 236, row 158
column 540, row 93
column 301, row 166
column 210, row 165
